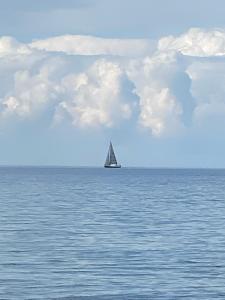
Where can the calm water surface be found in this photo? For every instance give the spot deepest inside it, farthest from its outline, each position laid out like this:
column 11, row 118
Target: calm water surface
column 70, row 233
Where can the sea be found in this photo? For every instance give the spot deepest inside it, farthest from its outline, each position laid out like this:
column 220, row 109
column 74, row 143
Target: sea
column 93, row 233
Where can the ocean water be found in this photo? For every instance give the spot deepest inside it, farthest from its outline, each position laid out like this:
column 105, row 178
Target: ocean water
column 89, row 233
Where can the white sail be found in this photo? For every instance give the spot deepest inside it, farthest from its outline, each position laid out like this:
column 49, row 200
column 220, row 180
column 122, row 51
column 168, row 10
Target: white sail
column 112, row 155
column 107, row 162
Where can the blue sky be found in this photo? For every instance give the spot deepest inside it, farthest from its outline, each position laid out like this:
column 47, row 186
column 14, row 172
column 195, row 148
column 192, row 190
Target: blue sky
column 149, row 75
column 106, row 18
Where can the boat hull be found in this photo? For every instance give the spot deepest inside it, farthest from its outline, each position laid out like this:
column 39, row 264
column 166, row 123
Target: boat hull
column 113, row 166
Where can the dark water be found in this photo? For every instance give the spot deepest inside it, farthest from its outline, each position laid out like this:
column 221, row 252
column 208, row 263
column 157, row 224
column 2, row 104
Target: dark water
column 112, row 234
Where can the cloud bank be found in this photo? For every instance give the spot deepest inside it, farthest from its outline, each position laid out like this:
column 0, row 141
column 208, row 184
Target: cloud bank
column 165, row 86
column 89, row 45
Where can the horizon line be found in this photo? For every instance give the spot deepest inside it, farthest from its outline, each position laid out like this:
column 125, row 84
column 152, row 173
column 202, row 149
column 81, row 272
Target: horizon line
column 102, row 167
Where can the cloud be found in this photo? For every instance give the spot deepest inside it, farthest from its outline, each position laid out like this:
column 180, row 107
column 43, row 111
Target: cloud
column 31, row 93
column 40, row 83
column 32, row 86
column 208, row 77
column 94, row 97
column 160, row 111
column 96, row 82
column 89, row 45
column 10, row 46
column 196, row 42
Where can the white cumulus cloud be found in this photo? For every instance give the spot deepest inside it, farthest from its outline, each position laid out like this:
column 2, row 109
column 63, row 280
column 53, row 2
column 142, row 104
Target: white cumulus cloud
column 99, row 82
column 160, row 111
column 10, row 46
column 196, row 42
column 94, row 97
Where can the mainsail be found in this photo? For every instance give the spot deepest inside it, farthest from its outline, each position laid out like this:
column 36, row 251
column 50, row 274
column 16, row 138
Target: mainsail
column 111, row 158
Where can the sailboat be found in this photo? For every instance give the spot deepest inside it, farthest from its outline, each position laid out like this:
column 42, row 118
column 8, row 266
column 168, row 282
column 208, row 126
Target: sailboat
column 111, row 161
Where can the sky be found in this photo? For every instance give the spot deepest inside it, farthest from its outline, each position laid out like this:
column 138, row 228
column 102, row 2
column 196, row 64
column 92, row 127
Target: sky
column 147, row 75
